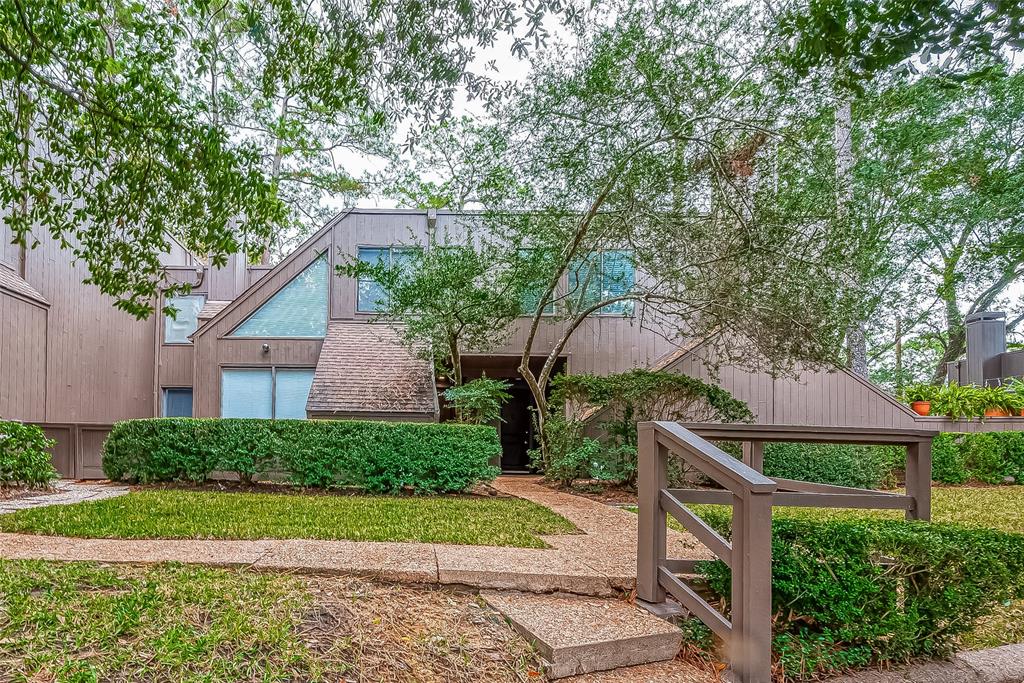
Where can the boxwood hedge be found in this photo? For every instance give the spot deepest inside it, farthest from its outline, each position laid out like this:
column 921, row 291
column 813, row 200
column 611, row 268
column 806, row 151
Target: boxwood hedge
column 24, row 458
column 848, row 594
column 378, row 457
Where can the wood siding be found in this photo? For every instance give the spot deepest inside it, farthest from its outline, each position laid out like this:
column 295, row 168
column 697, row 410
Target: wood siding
column 22, row 359
column 807, row 397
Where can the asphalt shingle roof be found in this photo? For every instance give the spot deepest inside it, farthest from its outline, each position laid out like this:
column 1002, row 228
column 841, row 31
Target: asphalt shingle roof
column 13, row 282
column 365, row 368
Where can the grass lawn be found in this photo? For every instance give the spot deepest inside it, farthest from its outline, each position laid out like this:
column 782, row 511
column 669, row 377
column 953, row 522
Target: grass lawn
column 82, row 622
column 169, row 513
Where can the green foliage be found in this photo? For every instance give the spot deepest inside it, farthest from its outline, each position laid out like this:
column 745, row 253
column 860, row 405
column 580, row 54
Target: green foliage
column 920, row 392
column 379, row 457
column 958, row 401
column 24, row 456
column 1001, row 398
column 479, row 401
column 838, row 464
column 837, row 605
column 989, row 457
column 574, row 462
column 445, row 299
column 624, row 399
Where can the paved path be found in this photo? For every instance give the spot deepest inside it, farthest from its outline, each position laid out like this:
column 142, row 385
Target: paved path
column 600, row 561
column 67, row 492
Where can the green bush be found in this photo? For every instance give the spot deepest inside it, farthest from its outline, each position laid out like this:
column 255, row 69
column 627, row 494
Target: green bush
column 989, row 457
column 838, row 604
column 24, row 458
column 379, row 457
column 837, row 464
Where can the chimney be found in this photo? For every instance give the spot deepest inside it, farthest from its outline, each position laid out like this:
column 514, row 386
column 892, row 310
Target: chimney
column 986, row 340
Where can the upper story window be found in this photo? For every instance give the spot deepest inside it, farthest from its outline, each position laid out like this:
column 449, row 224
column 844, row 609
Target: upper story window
column 178, row 328
column 603, row 275
column 372, row 297
column 299, row 309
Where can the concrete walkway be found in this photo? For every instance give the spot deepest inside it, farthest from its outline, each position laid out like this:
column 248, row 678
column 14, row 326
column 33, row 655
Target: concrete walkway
column 601, row 561
column 67, row 493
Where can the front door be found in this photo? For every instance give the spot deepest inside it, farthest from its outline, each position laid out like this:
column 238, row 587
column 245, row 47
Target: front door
column 516, row 429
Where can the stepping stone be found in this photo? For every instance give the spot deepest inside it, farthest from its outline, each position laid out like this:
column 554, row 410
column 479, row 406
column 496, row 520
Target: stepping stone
column 577, row 635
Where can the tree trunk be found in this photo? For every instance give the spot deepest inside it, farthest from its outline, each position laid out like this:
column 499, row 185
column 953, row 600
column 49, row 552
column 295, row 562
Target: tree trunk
column 899, row 355
column 455, row 357
column 856, row 336
column 956, row 335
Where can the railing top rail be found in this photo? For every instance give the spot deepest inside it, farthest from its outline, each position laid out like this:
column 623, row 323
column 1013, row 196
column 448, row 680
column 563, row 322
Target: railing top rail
column 803, row 433
column 725, row 469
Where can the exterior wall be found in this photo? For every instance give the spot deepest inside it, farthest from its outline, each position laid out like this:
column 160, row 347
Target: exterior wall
column 22, row 359
column 810, row 397
column 214, row 349
column 995, row 424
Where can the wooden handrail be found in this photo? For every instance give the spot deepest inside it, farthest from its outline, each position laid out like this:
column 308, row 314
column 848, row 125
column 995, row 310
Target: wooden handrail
column 752, row 496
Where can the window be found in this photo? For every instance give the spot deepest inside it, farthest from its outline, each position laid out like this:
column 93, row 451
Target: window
column 603, row 275
column 178, row 328
column 279, row 393
column 177, row 403
column 298, row 310
column 372, row 296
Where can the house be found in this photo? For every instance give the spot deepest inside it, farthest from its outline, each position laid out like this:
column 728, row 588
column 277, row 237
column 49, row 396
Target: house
column 295, row 341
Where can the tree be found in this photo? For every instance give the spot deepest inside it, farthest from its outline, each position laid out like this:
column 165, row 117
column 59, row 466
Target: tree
column 445, row 298
column 660, row 147
column 863, row 38
column 110, row 144
column 939, row 172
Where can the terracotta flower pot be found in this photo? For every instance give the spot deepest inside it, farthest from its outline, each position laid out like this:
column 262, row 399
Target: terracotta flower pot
column 922, row 407
column 997, row 412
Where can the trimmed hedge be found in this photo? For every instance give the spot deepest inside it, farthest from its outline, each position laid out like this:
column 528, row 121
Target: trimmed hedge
column 24, row 458
column 837, row 605
column 378, row 457
column 989, row 457
column 838, row 464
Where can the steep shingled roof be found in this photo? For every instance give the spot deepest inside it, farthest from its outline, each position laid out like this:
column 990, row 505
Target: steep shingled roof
column 12, row 282
column 364, row 368
column 211, row 308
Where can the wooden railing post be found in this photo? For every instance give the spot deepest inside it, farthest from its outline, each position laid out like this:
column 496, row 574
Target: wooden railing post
column 919, row 479
column 652, row 477
column 750, row 644
column 753, row 455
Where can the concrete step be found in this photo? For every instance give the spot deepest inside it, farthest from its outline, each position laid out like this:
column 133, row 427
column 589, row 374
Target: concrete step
column 579, row 635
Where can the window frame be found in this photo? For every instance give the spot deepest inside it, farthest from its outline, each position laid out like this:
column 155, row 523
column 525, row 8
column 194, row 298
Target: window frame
column 390, row 248
column 601, row 268
column 163, row 400
column 273, row 385
column 230, row 334
column 165, row 319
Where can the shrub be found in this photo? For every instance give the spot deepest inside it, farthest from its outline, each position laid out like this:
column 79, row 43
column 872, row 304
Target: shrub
column 379, row 457
column 479, row 402
column 574, row 463
column 989, row 457
column 24, row 458
column 837, row 464
column 837, row 604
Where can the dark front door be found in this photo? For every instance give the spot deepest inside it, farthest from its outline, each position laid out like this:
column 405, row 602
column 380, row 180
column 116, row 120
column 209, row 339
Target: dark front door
column 516, row 429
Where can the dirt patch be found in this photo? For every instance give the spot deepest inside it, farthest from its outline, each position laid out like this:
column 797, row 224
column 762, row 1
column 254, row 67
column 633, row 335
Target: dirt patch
column 284, row 488
column 612, row 494
column 17, row 492
column 382, row 632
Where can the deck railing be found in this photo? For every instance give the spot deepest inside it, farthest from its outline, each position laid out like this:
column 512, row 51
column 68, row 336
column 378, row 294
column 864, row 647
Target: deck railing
column 752, row 495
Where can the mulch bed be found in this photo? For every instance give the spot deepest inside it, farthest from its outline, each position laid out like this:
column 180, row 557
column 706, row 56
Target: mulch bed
column 14, row 493
column 601, row 491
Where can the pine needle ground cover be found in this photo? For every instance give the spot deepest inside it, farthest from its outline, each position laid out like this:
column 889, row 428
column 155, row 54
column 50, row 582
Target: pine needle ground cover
column 170, row 513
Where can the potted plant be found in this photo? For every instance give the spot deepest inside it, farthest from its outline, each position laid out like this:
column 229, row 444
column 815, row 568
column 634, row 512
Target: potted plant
column 1015, row 385
column 998, row 402
column 958, row 401
column 920, row 397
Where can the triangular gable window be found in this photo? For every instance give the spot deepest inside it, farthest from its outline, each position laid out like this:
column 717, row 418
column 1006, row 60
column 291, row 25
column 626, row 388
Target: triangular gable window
column 298, row 310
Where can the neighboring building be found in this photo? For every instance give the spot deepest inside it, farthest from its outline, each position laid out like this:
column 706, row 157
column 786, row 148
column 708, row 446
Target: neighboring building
column 295, row 341
column 987, row 361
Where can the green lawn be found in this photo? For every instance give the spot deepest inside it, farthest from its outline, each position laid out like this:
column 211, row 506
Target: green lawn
column 168, row 513
column 79, row 622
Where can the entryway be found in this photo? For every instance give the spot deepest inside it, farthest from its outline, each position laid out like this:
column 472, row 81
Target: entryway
column 517, row 415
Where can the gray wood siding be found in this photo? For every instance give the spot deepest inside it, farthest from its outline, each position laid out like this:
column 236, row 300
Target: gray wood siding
column 22, row 359
column 807, row 397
